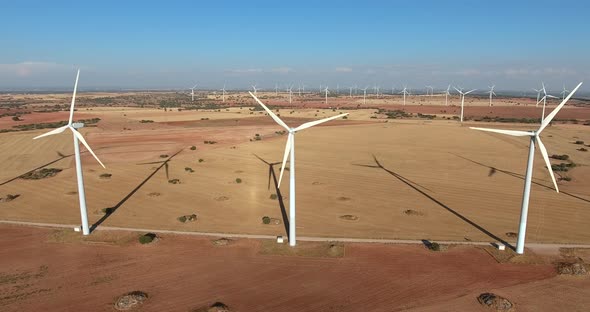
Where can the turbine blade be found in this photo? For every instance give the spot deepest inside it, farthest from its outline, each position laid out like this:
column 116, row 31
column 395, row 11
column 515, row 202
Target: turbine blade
column 287, row 150
column 317, row 122
column 551, row 115
column 270, row 113
column 52, row 132
column 81, row 138
column 458, row 90
column 74, row 99
column 509, row 132
column 547, row 162
column 470, row 91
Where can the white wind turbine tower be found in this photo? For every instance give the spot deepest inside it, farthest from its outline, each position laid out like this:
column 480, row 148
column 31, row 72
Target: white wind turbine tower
column 276, row 89
column 365, row 95
column 299, row 89
column 405, row 92
column 491, row 92
column 326, row 90
column 337, row 88
column 544, row 99
column 193, row 93
column 77, row 137
column 564, row 92
column 254, row 87
column 534, row 137
column 290, row 151
column 431, row 90
column 463, row 94
column 350, row 94
column 447, row 93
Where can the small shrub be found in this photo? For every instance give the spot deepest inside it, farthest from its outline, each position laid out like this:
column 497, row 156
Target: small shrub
column 16, row 118
column 560, row 157
column 193, row 148
column 41, row 173
column 182, row 219
column 201, row 160
column 238, row 180
column 266, row 220
column 579, row 142
column 273, row 196
column 146, row 121
column 189, row 169
column 174, row 181
column 582, row 149
column 105, row 176
column 147, row 238
column 163, row 156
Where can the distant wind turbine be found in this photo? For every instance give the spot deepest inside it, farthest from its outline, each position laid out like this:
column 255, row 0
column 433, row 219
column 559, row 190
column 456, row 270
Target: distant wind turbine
column 491, row 92
column 326, row 94
column 290, row 151
column 254, row 87
column 193, row 93
column 534, row 139
column 365, row 95
column 447, row 93
column 223, row 93
column 290, row 90
column 72, row 126
column 463, row 94
column 544, row 99
column 538, row 95
column 564, row 92
column 405, row 92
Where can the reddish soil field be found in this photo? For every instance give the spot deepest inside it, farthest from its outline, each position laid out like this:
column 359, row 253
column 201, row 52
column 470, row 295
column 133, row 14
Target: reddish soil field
column 180, row 273
column 32, row 118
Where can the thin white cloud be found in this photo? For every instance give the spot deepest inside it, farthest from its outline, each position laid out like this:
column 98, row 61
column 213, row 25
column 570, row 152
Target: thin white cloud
column 343, row 69
column 282, row 70
column 30, row 68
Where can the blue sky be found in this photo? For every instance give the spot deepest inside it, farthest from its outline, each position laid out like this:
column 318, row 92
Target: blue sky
column 157, row 44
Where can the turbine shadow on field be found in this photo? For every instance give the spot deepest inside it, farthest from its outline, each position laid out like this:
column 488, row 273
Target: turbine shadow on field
column 436, row 201
column 521, row 177
column 62, row 156
column 271, row 173
column 112, row 210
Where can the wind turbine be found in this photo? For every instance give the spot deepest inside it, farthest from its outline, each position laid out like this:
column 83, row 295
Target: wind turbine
column 538, row 96
column 447, row 93
column 276, row 89
column 431, row 90
column 290, row 151
column 405, row 92
column 326, row 94
column 77, row 137
column 564, row 92
column 290, row 93
column 534, row 137
column 337, row 88
column 544, row 99
column 254, row 87
column 364, row 95
column 491, row 92
column 299, row 89
column 463, row 94
column 223, row 93
column 193, row 93
column 350, row 94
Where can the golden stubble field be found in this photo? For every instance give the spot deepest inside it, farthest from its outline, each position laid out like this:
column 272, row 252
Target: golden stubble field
column 438, row 169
